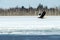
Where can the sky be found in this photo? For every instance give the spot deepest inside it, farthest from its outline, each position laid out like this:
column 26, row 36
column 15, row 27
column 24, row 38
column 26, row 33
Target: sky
column 27, row 3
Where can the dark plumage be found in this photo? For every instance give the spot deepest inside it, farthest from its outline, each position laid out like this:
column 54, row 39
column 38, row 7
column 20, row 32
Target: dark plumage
column 43, row 14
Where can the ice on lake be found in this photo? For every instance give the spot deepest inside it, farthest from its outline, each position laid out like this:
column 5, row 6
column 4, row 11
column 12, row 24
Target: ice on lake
column 29, row 25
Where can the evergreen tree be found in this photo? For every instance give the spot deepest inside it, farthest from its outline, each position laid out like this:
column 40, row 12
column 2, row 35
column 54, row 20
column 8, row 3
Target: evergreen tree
column 40, row 6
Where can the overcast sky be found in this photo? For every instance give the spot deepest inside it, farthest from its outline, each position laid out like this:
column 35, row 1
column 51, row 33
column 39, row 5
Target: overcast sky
column 27, row 3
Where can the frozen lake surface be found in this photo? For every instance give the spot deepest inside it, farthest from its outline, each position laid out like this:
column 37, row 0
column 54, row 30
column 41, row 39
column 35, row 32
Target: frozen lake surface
column 29, row 25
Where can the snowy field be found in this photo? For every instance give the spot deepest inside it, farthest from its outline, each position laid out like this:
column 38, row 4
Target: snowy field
column 31, row 25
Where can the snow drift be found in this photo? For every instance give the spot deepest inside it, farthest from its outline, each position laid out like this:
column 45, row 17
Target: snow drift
column 29, row 25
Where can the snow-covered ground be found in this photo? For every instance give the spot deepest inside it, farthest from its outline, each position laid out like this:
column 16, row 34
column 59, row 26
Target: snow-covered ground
column 29, row 25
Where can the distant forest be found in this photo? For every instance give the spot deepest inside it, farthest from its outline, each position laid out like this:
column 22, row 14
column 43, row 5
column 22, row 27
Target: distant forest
column 22, row 11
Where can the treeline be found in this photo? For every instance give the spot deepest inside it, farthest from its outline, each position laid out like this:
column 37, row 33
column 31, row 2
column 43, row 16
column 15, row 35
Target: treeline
column 22, row 11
